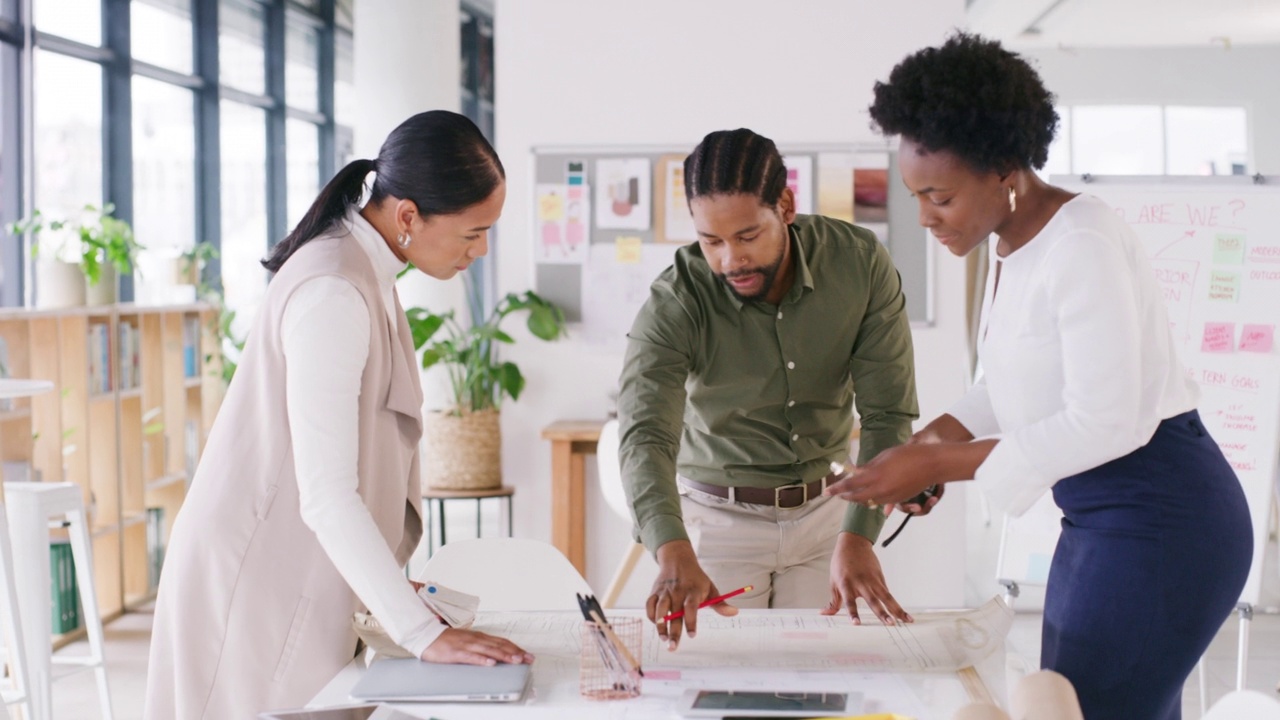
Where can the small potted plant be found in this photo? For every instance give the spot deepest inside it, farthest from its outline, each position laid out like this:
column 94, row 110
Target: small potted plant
column 58, row 278
column 107, row 249
column 102, row 247
column 462, row 443
column 189, row 267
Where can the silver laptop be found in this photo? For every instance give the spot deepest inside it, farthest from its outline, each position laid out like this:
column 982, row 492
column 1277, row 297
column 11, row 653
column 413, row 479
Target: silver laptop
column 412, row 680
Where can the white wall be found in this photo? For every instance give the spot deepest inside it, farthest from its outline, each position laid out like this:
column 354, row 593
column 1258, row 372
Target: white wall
column 1243, row 76
column 606, row 72
column 407, row 59
column 574, row 72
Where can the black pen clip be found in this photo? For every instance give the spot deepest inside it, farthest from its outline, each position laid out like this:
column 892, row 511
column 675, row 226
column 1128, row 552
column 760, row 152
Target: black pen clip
column 584, row 606
column 593, row 604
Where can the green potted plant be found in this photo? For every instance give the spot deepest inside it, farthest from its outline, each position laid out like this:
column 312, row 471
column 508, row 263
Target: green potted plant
column 58, row 278
column 107, row 249
column 462, row 443
column 189, row 268
column 99, row 246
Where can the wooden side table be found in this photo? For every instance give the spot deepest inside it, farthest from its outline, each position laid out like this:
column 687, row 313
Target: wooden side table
column 439, row 496
column 571, row 442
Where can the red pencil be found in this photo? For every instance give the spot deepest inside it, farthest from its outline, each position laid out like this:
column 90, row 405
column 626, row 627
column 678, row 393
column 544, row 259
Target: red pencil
column 708, row 602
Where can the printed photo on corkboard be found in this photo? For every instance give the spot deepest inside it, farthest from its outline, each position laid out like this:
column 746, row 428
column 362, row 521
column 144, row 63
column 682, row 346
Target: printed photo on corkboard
column 835, row 185
column 870, row 195
column 673, row 223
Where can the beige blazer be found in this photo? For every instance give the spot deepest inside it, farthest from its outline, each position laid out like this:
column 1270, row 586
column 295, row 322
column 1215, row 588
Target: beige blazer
column 251, row 614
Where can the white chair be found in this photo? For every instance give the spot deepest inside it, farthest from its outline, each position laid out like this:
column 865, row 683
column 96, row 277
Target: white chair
column 1244, row 705
column 610, row 472
column 508, row 573
column 31, row 507
column 19, row 666
column 16, row 650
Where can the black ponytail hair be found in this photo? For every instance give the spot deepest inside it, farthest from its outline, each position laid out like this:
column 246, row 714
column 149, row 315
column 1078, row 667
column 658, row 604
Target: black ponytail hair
column 439, row 160
column 733, row 162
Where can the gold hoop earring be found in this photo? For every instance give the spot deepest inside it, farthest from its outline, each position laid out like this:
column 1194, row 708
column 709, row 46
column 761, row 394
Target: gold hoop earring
column 1013, row 199
column 403, row 240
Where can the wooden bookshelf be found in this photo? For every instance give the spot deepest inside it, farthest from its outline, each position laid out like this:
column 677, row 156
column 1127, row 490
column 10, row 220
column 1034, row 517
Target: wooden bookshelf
column 127, row 431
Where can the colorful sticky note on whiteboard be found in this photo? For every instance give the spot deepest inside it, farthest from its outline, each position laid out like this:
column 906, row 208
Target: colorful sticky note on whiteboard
column 1257, row 338
column 628, row 250
column 1219, row 337
column 1228, row 249
column 1224, row 286
column 550, row 204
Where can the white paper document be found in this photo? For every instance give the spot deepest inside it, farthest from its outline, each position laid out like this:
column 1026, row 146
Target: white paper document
column 935, row 642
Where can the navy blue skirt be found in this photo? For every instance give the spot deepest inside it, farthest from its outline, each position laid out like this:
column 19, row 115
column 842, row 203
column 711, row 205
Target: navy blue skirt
column 1154, row 551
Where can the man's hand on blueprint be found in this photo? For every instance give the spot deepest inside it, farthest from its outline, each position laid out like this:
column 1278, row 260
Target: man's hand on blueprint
column 855, row 573
column 681, row 585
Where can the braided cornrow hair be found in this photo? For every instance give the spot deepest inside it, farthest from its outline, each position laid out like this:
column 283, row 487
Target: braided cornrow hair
column 731, row 162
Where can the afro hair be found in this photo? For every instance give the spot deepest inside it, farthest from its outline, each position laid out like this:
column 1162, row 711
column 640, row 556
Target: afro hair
column 973, row 98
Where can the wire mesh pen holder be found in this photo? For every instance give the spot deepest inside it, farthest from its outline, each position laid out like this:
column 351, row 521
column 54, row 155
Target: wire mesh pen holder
column 605, row 672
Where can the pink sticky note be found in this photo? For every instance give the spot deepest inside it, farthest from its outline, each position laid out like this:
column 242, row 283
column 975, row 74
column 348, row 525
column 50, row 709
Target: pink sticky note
column 1257, row 338
column 1219, row 337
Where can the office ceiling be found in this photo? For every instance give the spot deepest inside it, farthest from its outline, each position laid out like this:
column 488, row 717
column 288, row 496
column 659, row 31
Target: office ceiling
column 1127, row 23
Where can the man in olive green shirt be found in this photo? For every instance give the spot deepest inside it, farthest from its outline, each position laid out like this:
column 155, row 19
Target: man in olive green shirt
column 737, row 393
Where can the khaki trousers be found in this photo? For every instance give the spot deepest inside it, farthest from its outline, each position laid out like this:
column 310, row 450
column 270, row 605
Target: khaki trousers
column 785, row 553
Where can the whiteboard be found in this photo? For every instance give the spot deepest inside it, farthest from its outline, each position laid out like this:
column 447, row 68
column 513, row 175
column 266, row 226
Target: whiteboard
column 1215, row 247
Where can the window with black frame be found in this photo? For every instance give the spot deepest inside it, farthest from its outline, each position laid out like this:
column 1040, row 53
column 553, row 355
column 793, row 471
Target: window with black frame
column 344, row 83
column 12, row 252
column 198, row 121
column 477, row 91
column 163, row 102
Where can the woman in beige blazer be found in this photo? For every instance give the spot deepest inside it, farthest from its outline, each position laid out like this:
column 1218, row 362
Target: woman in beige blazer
column 306, row 504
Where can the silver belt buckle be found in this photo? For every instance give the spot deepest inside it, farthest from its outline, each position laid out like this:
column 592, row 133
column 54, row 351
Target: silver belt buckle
column 777, row 495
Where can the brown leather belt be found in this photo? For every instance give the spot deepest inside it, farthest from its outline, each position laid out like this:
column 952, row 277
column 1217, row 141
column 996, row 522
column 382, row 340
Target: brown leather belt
column 783, row 496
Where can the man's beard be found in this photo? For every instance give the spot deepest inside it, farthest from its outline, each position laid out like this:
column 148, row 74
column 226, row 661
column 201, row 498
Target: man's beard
column 769, row 273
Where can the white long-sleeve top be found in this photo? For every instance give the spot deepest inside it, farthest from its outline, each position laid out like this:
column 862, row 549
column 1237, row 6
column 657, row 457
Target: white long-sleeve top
column 325, row 332
column 1079, row 362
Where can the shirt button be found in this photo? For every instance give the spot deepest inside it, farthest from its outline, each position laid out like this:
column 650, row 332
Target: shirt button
column 791, row 366
column 779, row 314
column 791, row 403
column 795, row 437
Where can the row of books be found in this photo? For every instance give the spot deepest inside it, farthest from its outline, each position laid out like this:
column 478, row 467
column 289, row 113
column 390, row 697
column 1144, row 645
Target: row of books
column 155, row 545
column 106, row 358
column 128, row 358
column 100, row 360
column 66, row 594
column 130, row 355
column 191, row 346
column 65, row 591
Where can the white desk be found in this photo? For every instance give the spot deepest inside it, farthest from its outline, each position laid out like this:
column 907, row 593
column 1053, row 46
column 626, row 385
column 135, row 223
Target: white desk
column 554, row 696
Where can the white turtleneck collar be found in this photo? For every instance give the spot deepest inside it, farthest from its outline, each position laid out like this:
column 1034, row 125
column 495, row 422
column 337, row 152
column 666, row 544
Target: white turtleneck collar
column 386, row 265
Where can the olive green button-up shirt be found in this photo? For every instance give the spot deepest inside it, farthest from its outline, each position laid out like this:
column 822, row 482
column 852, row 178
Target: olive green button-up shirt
column 752, row 394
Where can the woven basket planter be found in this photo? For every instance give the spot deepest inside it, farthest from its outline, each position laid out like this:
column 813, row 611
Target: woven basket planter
column 462, row 452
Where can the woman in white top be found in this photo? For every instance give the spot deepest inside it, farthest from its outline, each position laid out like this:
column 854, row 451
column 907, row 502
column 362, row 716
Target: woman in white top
column 306, row 504
column 1082, row 390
